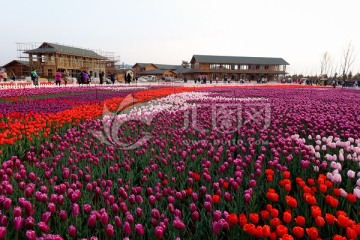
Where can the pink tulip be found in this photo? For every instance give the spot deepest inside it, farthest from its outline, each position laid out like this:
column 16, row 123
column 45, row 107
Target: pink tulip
column 155, row 213
column 178, row 224
column 104, row 218
column 139, row 230
column 216, row 227
column 29, row 222
column 118, row 221
column 87, row 208
column 30, row 235
column 92, row 221
column 195, row 216
column 18, row 223
column 159, row 232
column 17, row 212
column 351, row 174
column 6, row 204
column 43, row 227
column 63, row 215
column 72, row 231
column 109, row 230
column 75, row 210
column 138, row 212
column 2, row 233
column 127, row 229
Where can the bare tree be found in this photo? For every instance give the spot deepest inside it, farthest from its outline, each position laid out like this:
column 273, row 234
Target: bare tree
column 326, row 63
column 348, row 58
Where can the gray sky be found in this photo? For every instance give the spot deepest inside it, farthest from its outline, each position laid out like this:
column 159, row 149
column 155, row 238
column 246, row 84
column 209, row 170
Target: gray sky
column 168, row 31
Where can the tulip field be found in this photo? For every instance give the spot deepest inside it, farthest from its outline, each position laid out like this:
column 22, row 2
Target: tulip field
column 176, row 162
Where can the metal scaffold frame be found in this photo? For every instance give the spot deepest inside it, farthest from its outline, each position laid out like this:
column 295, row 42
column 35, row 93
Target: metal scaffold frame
column 74, row 63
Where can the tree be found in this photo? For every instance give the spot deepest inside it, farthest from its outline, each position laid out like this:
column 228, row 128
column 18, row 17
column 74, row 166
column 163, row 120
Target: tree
column 348, row 58
column 185, row 64
column 326, row 63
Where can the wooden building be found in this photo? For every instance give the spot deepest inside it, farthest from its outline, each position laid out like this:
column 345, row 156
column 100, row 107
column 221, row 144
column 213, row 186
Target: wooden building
column 158, row 70
column 236, row 68
column 17, row 69
column 49, row 58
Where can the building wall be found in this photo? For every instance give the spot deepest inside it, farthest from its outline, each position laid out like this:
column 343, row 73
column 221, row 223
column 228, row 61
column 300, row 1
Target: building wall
column 20, row 70
column 150, row 67
column 48, row 64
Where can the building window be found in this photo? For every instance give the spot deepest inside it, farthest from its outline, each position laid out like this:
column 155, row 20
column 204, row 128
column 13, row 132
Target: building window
column 50, row 73
column 226, row 66
column 244, row 67
column 214, row 66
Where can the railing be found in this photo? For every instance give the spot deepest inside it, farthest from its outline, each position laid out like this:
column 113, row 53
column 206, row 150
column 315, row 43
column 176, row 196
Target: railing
column 239, row 71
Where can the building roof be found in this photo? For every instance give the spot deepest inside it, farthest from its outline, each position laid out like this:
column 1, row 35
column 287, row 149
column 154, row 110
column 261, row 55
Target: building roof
column 156, row 71
column 183, row 70
column 57, row 48
column 166, row 66
column 142, row 65
column 26, row 63
column 237, row 60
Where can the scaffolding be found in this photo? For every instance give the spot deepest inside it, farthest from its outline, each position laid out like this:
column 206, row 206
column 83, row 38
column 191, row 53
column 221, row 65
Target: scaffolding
column 47, row 64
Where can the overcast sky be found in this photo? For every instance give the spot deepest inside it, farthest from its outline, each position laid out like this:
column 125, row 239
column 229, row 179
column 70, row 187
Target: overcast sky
column 168, row 31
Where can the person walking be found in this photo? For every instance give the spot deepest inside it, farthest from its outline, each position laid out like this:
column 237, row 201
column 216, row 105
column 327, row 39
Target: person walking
column 80, row 77
column 85, row 77
column 66, row 76
column 34, row 77
column 101, row 75
column 58, row 78
column 4, row 76
column 128, row 78
column 112, row 78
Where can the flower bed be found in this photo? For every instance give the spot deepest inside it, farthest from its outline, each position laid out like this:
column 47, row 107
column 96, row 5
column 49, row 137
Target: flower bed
column 227, row 163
